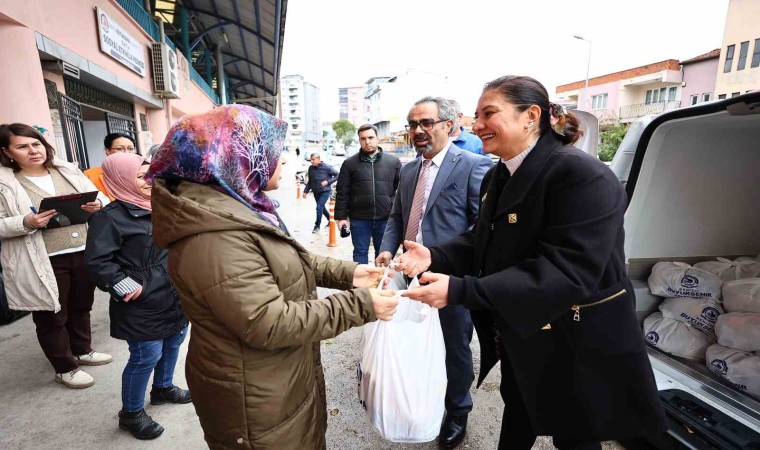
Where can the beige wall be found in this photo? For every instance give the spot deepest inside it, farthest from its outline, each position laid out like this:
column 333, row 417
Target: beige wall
column 741, row 25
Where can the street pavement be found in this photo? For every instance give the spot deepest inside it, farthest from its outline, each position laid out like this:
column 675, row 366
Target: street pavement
column 37, row 413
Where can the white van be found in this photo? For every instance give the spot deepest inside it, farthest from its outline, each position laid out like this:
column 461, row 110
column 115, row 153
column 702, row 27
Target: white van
column 693, row 195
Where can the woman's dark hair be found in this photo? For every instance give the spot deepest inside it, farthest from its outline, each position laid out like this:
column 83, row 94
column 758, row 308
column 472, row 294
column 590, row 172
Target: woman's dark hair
column 523, row 92
column 20, row 129
column 108, row 141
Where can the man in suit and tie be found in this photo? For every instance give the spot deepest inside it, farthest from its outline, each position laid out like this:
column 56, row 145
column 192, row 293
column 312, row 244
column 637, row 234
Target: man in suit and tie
column 437, row 199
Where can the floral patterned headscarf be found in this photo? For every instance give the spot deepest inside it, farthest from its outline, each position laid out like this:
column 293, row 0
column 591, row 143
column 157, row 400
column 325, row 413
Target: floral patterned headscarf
column 234, row 147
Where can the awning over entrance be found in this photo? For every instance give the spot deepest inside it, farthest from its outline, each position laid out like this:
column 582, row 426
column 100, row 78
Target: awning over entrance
column 247, row 35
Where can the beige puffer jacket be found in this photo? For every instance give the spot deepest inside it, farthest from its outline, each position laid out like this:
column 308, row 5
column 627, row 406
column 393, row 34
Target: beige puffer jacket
column 253, row 363
column 28, row 276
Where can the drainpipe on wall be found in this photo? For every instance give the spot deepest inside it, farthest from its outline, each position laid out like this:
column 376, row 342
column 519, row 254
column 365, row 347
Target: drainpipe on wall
column 220, row 78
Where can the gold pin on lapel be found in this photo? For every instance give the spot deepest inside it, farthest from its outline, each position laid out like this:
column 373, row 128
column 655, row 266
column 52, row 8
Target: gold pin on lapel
column 483, row 200
column 548, row 326
column 512, row 218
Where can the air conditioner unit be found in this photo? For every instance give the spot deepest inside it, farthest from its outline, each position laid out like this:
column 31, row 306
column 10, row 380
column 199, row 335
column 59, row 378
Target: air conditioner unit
column 165, row 70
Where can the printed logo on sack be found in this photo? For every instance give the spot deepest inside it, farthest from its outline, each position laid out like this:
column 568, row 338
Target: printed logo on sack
column 720, row 366
column 653, row 337
column 689, row 282
column 710, row 314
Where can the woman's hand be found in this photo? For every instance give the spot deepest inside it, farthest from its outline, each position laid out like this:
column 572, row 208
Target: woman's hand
column 39, row 220
column 384, row 303
column 92, row 206
column 416, row 259
column 435, row 292
column 366, row 276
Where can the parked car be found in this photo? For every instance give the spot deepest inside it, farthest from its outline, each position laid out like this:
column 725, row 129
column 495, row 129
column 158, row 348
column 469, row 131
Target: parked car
column 692, row 181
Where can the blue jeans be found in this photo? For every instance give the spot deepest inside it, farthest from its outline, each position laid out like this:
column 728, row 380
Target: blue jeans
column 361, row 231
column 321, row 198
column 158, row 356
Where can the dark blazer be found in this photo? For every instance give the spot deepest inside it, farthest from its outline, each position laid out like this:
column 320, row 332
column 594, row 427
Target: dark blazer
column 547, row 239
column 119, row 245
column 453, row 202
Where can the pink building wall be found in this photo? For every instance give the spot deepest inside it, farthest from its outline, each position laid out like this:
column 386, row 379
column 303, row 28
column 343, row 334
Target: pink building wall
column 700, row 79
column 24, row 96
column 610, row 113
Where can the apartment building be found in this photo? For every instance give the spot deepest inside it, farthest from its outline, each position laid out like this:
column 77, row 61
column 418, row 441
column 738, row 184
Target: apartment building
column 301, row 109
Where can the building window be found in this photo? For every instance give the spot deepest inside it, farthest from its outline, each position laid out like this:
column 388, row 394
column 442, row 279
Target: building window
column 722, row 97
column 729, row 59
column 599, row 101
column 743, row 50
column 756, row 54
column 735, row 94
column 694, row 100
column 672, row 94
column 706, row 97
column 661, row 95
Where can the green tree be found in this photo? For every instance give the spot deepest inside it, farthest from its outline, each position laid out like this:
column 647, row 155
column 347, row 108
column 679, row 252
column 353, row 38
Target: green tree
column 344, row 131
column 610, row 141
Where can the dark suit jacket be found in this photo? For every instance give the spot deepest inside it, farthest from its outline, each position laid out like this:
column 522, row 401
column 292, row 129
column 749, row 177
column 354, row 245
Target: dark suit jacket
column 452, row 206
column 549, row 238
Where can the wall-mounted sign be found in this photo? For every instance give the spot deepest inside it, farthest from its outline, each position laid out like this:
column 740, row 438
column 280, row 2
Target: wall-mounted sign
column 118, row 44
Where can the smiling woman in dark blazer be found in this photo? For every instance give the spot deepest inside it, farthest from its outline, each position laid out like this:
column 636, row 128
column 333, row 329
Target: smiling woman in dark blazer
column 544, row 276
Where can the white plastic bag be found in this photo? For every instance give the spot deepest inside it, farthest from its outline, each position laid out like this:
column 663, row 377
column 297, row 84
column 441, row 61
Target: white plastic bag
column 676, row 338
column 740, row 368
column 402, row 372
column 729, row 270
column 739, row 330
column 697, row 312
column 677, row 279
column 742, row 295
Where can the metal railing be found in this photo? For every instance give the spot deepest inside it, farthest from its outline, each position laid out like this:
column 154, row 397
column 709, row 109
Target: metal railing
column 135, row 9
column 644, row 109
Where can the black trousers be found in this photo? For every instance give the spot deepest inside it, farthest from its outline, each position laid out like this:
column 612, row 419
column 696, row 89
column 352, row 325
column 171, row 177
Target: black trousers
column 516, row 430
column 67, row 332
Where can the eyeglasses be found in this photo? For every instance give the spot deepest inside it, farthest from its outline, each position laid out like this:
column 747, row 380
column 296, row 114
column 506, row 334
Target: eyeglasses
column 124, row 149
column 425, row 124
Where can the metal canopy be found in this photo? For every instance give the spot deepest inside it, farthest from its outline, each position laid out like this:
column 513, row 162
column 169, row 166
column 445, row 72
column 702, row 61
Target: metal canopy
column 250, row 33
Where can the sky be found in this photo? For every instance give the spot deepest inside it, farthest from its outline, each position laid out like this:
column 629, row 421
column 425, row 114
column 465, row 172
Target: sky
column 339, row 43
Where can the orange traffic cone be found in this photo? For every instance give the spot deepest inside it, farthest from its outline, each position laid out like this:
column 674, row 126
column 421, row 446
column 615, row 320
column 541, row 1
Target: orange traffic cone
column 331, row 209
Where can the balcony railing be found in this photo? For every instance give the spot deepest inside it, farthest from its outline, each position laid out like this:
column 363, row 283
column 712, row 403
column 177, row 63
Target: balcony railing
column 644, row 109
column 135, row 9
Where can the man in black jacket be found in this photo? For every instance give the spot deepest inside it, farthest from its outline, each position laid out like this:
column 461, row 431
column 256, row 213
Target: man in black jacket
column 321, row 177
column 366, row 187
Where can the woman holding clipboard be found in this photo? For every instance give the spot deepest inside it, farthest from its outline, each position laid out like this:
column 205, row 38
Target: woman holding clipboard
column 43, row 268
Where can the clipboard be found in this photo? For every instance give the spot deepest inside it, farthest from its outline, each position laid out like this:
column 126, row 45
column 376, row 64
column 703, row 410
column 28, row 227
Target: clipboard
column 68, row 208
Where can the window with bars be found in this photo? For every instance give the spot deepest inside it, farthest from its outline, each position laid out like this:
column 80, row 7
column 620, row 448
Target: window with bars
column 756, row 54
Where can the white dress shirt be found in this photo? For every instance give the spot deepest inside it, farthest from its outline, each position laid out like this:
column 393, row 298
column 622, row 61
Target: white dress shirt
column 432, row 173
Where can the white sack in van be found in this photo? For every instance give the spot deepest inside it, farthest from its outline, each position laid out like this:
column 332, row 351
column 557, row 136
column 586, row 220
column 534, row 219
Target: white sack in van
column 677, row 279
column 742, row 295
column 676, row 338
column 739, row 330
column 701, row 313
column 729, row 270
column 740, row 368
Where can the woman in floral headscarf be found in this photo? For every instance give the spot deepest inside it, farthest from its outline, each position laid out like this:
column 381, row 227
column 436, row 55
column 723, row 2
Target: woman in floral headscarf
column 248, row 288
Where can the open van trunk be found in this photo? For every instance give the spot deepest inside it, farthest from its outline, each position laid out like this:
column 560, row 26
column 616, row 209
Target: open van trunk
column 693, row 196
